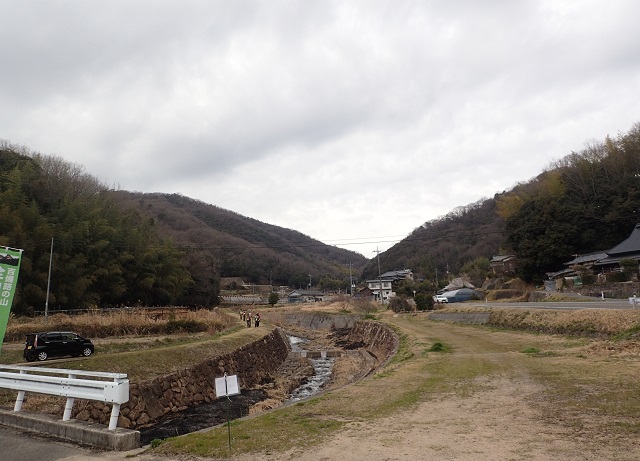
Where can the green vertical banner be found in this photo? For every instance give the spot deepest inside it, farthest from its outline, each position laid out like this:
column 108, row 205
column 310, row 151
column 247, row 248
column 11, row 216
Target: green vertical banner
column 9, row 268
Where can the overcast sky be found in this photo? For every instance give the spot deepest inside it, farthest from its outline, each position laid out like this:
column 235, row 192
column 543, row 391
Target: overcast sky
column 353, row 122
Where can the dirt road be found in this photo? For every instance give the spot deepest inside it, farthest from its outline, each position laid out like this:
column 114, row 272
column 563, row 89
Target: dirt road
column 514, row 408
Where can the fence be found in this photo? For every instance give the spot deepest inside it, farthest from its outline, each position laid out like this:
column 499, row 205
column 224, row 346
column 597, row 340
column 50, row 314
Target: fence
column 77, row 384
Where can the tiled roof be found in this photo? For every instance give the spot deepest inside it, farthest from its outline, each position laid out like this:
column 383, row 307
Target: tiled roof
column 630, row 245
column 395, row 275
column 500, row 258
column 591, row 257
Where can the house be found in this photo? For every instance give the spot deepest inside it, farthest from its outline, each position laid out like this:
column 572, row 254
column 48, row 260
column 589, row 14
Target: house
column 572, row 272
column 587, row 261
column 382, row 287
column 306, row 296
column 503, row 264
column 395, row 276
column 599, row 262
column 627, row 249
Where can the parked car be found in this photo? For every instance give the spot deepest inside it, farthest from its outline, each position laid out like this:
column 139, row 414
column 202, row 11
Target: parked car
column 43, row 345
column 440, row 299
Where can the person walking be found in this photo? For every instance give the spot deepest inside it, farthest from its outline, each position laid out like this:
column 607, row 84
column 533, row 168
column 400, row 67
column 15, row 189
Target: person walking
column 256, row 320
column 249, row 320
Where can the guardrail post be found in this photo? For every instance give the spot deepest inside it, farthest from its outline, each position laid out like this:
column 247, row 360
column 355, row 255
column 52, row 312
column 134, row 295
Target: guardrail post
column 115, row 410
column 20, row 398
column 69, row 405
column 115, row 414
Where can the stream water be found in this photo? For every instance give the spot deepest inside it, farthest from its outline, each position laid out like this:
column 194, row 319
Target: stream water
column 321, row 372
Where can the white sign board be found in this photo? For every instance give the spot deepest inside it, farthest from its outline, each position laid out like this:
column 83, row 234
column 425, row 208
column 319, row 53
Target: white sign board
column 227, row 386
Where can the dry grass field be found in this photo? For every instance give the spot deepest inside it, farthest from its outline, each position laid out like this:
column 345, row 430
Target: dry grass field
column 122, row 322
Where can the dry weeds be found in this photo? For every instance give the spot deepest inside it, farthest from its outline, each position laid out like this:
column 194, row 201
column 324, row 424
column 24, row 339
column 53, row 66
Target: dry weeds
column 124, row 322
column 583, row 322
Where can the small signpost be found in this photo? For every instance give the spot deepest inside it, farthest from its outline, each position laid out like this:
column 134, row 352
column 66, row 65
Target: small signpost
column 227, row 386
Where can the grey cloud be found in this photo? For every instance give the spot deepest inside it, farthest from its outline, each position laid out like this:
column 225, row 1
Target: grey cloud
column 357, row 98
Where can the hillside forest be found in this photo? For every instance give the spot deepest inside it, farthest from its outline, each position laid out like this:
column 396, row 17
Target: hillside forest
column 119, row 248
column 116, row 248
column 585, row 202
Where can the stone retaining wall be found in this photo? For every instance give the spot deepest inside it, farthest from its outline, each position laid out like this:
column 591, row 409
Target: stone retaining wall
column 150, row 400
column 378, row 338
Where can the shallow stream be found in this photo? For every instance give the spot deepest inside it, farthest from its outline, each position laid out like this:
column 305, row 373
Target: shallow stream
column 216, row 412
column 321, row 372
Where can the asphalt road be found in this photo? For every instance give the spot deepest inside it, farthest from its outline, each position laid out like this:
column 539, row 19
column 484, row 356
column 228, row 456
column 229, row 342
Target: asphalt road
column 19, row 446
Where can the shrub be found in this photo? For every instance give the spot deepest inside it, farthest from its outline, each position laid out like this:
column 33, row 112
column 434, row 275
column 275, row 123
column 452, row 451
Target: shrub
column 399, row 304
column 424, row 302
column 616, row 277
column 185, row 326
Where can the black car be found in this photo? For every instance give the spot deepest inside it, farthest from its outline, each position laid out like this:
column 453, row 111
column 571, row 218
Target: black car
column 56, row 344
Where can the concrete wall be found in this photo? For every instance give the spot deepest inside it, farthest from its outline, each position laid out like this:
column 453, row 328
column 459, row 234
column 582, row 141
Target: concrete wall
column 471, row 318
column 311, row 321
column 152, row 399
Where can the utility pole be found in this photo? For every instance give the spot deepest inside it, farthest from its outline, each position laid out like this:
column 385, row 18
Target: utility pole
column 379, row 277
column 46, row 303
column 350, row 281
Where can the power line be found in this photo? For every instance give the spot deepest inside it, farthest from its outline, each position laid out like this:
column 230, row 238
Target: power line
column 341, row 242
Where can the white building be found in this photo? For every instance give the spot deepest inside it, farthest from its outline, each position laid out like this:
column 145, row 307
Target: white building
column 383, row 286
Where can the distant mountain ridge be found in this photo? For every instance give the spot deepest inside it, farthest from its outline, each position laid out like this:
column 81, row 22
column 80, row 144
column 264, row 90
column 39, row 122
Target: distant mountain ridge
column 239, row 246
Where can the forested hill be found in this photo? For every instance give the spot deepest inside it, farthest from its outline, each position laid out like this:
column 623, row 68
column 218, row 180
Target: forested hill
column 113, row 248
column 233, row 245
column 585, row 202
column 444, row 245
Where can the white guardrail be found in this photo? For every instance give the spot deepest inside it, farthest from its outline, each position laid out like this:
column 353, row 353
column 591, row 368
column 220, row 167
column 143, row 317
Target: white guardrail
column 77, row 384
